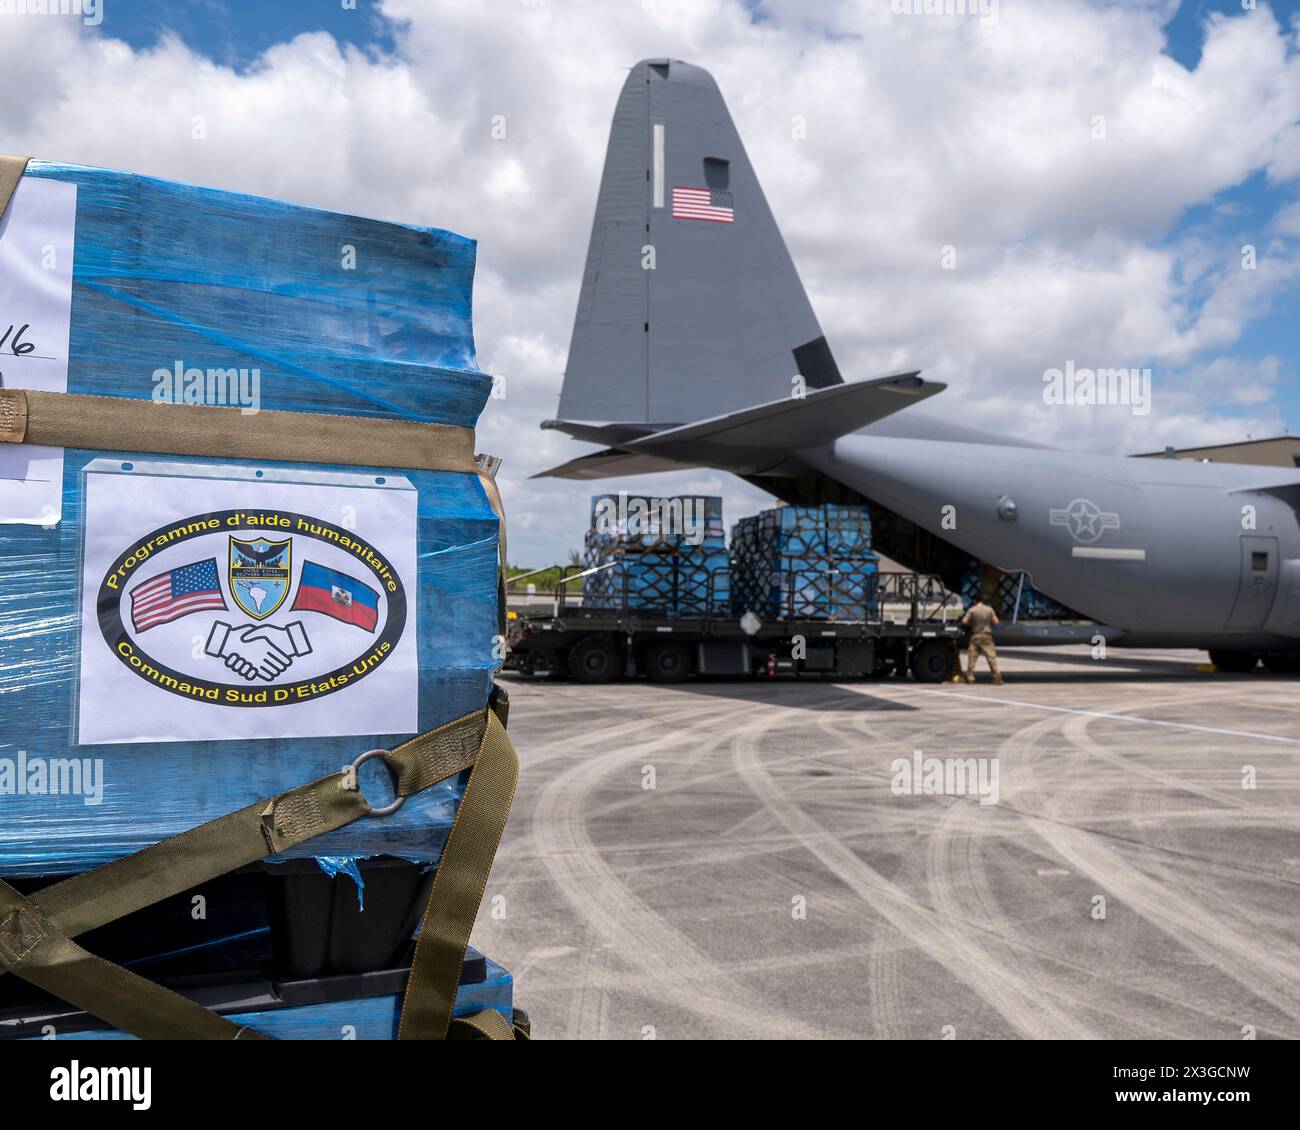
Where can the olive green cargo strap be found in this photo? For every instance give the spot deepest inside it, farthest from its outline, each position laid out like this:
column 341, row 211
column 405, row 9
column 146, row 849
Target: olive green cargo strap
column 489, row 1023
column 33, row 947
column 11, row 172
column 94, row 898
column 36, row 931
column 458, row 888
column 112, row 423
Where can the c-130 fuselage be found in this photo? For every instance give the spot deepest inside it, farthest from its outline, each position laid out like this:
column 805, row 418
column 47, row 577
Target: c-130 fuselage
column 718, row 331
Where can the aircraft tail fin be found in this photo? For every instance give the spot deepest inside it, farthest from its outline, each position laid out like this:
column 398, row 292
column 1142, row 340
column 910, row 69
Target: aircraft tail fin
column 690, row 305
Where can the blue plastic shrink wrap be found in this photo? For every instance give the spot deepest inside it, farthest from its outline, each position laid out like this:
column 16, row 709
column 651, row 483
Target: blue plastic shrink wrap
column 805, row 562
column 105, row 751
column 1011, row 595
column 668, row 556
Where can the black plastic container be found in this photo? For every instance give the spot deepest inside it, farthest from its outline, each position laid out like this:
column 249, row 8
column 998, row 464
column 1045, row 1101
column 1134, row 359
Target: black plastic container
column 318, row 926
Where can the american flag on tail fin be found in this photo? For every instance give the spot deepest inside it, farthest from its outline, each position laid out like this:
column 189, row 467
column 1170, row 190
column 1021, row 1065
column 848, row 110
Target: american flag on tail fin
column 703, row 204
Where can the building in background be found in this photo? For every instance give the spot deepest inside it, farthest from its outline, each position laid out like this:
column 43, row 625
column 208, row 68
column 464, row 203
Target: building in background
column 1280, row 451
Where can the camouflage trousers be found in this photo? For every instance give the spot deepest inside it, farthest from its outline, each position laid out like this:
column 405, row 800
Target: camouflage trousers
column 982, row 644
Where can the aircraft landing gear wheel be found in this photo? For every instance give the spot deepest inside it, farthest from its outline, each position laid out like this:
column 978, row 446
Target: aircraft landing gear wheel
column 594, row 660
column 1234, row 662
column 668, row 662
column 934, row 662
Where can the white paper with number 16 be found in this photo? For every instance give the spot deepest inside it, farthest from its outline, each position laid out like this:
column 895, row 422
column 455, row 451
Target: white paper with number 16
column 36, row 247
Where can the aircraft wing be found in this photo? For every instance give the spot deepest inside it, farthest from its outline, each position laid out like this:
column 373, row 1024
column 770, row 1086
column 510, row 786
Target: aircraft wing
column 611, row 462
column 1288, row 492
column 756, row 439
column 603, row 433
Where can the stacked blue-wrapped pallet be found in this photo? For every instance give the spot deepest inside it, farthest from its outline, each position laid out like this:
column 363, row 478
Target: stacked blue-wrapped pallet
column 181, row 637
column 664, row 556
column 805, row 562
column 1002, row 590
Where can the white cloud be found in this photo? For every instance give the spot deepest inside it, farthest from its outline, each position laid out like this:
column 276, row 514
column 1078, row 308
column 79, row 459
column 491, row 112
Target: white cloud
column 1288, row 220
column 921, row 132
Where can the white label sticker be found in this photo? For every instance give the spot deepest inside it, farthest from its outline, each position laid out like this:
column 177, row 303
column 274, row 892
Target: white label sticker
column 218, row 605
column 36, row 245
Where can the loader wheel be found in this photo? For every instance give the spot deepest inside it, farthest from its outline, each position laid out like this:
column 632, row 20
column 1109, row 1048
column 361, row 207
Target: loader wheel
column 667, row 662
column 934, row 662
column 594, row 660
column 1234, row 662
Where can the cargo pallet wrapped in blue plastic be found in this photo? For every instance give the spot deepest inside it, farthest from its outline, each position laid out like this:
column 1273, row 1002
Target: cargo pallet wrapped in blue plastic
column 1010, row 595
column 184, row 634
column 664, row 556
column 805, row 562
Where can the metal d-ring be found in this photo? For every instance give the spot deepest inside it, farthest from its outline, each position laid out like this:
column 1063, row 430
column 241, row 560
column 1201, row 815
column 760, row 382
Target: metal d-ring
column 388, row 809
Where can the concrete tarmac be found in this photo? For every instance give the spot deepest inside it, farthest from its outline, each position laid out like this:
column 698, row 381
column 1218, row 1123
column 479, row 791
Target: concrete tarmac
column 745, row 859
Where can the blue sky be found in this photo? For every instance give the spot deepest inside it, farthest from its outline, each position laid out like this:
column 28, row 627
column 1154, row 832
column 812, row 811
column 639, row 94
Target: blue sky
column 1186, row 30
column 1258, row 201
column 236, row 32
column 922, row 133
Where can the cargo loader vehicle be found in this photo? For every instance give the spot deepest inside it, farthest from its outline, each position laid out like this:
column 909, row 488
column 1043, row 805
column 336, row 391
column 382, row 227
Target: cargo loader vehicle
column 908, row 623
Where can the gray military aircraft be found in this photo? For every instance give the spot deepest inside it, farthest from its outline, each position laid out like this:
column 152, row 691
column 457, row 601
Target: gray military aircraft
column 695, row 345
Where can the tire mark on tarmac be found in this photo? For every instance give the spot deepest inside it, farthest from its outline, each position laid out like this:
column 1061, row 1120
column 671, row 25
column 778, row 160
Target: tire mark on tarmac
column 1160, row 899
column 965, row 894
column 1132, row 719
column 1156, row 898
column 959, row 887
column 636, row 933
column 973, row 964
column 1079, row 798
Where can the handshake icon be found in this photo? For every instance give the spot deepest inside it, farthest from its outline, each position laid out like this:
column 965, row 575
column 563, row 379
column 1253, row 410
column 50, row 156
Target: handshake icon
column 258, row 651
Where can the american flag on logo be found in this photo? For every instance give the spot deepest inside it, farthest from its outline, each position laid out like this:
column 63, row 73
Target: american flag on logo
column 169, row 596
column 703, row 204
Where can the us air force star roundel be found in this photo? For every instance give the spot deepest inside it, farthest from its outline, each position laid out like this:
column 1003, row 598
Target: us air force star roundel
column 1085, row 519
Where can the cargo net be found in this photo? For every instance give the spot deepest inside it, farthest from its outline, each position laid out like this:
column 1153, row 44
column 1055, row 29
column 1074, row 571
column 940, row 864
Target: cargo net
column 1001, row 592
column 663, row 557
column 805, row 563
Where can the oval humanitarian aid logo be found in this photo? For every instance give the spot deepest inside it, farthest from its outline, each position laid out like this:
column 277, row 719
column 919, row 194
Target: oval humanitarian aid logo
column 251, row 608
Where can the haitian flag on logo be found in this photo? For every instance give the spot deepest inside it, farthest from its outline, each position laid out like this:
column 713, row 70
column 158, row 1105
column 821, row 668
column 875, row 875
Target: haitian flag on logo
column 336, row 594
